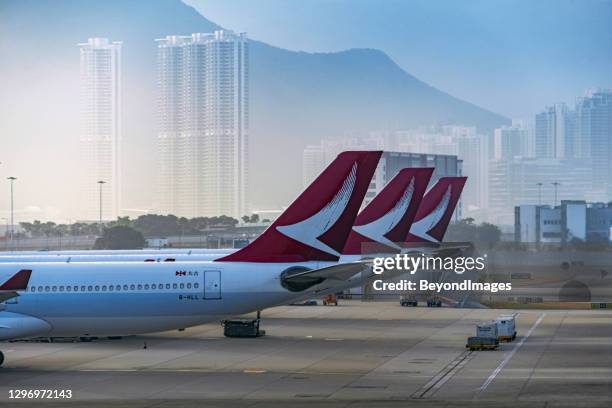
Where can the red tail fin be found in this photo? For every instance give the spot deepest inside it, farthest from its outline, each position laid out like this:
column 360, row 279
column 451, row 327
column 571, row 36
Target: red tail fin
column 18, row 281
column 387, row 218
column 436, row 210
column 317, row 223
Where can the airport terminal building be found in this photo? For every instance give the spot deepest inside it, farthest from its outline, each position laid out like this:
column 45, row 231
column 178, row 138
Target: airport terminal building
column 570, row 221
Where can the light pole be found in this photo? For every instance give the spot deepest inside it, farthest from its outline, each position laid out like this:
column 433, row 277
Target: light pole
column 556, row 184
column 100, row 183
column 12, row 181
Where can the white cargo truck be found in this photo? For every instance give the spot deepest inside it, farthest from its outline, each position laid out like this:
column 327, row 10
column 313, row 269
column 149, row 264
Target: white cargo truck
column 487, row 329
column 506, row 327
column 486, row 337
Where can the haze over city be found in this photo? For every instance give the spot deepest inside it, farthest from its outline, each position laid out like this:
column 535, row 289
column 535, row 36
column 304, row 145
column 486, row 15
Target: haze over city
column 400, row 74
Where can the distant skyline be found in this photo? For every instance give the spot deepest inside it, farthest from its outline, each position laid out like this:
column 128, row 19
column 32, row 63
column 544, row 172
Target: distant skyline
column 509, row 56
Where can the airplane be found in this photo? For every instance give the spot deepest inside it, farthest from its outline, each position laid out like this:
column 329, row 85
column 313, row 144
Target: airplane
column 391, row 212
column 297, row 254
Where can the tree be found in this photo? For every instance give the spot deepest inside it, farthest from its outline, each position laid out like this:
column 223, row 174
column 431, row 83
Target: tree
column 120, row 237
column 125, row 221
column 255, row 218
column 246, row 219
column 467, row 231
column 153, row 225
column 488, row 234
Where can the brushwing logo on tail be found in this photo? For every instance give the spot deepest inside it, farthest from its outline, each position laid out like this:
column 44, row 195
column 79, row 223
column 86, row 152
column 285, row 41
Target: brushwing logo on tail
column 309, row 230
column 422, row 227
column 377, row 229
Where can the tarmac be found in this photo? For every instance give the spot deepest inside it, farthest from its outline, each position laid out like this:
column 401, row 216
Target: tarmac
column 358, row 354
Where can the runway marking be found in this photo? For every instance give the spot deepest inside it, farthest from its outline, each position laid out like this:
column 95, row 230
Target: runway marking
column 252, row 371
column 509, row 356
column 102, row 370
column 443, row 376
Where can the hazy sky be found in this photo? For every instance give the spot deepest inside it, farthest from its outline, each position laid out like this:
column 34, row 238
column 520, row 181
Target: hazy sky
column 510, row 56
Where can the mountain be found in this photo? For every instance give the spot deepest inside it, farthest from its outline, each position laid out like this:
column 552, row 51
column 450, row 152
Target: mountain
column 297, row 98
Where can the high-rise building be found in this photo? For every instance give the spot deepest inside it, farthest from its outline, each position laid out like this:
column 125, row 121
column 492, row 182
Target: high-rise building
column 473, row 150
column 594, row 126
column 511, row 141
column 316, row 157
column 100, row 139
column 203, row 124
column 463, row 142
column 555, row 135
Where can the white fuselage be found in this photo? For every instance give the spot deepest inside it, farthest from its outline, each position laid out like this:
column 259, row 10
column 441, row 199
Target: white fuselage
column 105, row 299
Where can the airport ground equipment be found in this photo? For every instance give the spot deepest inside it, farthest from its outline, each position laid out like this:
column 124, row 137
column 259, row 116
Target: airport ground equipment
column 406, row 301
column 506, row 327
column 330, row 299
column 309, row 302
column 476, row 343
column 242, row 328
column 487, row 329
column 434, row 302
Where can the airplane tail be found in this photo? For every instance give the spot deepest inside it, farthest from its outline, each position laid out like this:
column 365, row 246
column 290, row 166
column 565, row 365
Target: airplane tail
column 436, row 210
column 18, row 281
column 387, row 218
column 316, row 225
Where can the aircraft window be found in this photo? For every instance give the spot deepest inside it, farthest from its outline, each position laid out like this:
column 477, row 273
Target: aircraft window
column 189, row 286
column 118, row 288
column 103, row 288
column 76, row 288
column 89, row 288
column 33, row 289
column 83, row 289
column 174, row 286
column 61, row 288
column 110, row 288
column 182, row 286
column 132, row 287
column 54, row 288
column 196, row 285
column 146, row 286
column 68, row 288
column 139, row 287
column 167, row 286
column 47, row 288
column 40, row 288
column 97, row 288
column 125, row 287
column 161, row 286
column 153, row 286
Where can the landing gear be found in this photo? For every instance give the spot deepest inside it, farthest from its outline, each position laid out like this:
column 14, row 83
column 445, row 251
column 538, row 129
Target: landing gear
column 1, row 358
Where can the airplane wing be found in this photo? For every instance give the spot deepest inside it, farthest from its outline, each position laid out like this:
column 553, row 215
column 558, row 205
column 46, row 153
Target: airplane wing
column 18, row 282
column 316, row 280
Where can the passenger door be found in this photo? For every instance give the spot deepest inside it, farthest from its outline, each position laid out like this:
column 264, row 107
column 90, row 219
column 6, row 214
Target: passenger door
column 212, row 285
